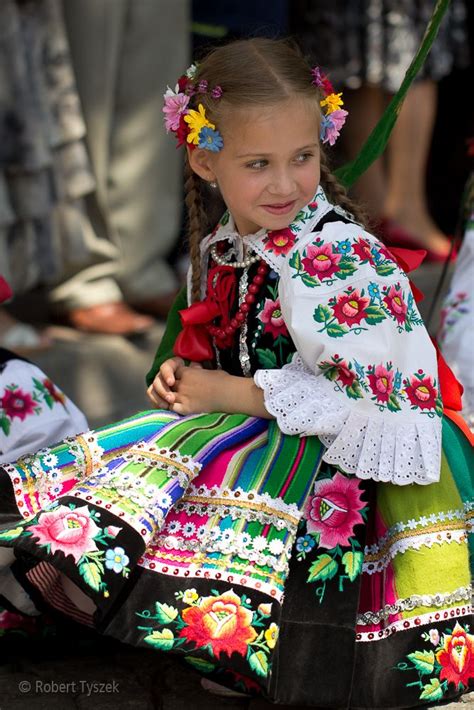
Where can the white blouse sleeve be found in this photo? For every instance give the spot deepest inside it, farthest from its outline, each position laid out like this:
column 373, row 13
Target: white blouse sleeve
column 364, row 377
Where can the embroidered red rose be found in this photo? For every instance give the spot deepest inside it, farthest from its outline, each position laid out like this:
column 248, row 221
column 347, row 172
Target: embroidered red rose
column 362, row 249
column 280, row 241
column 344, row 373
column 334, row 510
column 421, row 391
column 395, row 303
column 321, row 261
column 220, row 622
column 56, row 394
column 381, row 383
column 457, row 657
column 272, row 316
column 350, row 308
column 17, row 403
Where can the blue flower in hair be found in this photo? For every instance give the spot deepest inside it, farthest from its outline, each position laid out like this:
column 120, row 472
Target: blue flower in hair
column 209, row 139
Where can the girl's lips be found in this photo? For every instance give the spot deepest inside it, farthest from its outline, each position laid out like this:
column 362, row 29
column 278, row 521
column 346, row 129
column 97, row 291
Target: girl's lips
column 281, row 208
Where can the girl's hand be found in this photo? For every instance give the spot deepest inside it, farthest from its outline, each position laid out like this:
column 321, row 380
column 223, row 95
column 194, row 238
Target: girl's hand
column 160, row 391
column 197, row 391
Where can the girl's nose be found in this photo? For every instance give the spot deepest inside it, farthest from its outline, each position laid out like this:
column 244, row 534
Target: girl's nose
column 281, row 183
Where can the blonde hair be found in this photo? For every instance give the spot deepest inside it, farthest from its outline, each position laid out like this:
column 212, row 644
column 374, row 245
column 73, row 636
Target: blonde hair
column 253, row 72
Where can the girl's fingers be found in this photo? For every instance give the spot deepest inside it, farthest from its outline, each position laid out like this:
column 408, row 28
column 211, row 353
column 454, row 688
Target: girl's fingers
column 196, row 364
column 157, row 401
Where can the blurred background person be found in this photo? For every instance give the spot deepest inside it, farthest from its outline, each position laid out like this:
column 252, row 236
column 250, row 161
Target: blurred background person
column 380, row 38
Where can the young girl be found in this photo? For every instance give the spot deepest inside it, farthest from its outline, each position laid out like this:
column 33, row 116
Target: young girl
column 294, row 518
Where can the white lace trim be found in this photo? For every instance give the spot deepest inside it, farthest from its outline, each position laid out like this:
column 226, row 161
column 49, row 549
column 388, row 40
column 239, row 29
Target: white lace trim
column 304, row 404
column 413, row 602
column 415, row 542
column 240, row 505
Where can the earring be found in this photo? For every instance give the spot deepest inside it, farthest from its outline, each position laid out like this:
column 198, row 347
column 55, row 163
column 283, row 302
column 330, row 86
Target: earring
column 213, row 184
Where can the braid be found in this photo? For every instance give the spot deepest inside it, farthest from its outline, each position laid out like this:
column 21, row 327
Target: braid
column 337, row 193
column 196, row 226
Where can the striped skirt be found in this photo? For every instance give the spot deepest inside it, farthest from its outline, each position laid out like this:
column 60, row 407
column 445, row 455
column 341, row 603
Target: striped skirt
column 218, row 538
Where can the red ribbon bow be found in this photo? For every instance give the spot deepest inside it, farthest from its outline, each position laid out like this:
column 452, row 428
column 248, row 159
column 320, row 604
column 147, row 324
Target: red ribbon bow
column 194, row 342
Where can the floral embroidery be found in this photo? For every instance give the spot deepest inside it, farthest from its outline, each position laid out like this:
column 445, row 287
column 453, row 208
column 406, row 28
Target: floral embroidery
column 332, row 512
column 324, row 262
column 74, row 531
column 223, row 623
column 17, row 403
column 451, row 662
column 280, row 241
column 272, row 316
column 454, row 308
column 422, row 393
column 352, row 310
column 385, row 385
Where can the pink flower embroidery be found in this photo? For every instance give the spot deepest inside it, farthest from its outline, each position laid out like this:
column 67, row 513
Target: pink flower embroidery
column 395, row 303
column 421, row 391
column 381, row 383
column 350, row 308
column 334, row 510
column 174, row 108
column 17, row 403
column 68, row 531
column 280, row 241
column 321, row 261
column 272, row 317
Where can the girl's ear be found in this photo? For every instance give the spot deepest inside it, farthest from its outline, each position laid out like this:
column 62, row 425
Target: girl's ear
column 200, row 161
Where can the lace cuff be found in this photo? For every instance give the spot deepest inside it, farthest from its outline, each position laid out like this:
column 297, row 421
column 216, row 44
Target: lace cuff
column 369, row 447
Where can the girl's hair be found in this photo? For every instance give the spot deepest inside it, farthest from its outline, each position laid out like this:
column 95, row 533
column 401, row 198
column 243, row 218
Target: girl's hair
column 253, row 72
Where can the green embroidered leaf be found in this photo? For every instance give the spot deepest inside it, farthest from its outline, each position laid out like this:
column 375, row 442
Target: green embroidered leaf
column 91, row 574
column 309, row 280
column 295, row 261
column 200, row 664
column 352, row 562
column 225, row 218
column 165, row 613
column 392, row 403
column 432, row 691
column 322, row 314
column 324, row 567
column 259, row 663
column 385, row 269
column 423, row 661
column 334, row 330
column 163, row 640
column 346, row 268
column 354, row 391
column 266, row 357
column 5, row 424
column 11, row 534
column 439, row 406
column 375, row 314
column 330, row 372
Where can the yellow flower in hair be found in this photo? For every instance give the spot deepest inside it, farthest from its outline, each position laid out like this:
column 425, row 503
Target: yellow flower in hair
column 197, row 120
column 332, row 101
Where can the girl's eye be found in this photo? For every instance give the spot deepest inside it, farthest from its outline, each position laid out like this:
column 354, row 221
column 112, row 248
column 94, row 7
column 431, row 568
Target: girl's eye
column 303, row 157
column 257, row 164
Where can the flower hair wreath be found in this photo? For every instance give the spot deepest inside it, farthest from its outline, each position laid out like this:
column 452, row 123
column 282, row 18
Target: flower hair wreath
column 194, row 128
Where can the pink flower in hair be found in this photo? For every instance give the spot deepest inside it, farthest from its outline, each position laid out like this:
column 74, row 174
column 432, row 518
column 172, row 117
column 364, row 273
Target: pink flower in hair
column 175, row 106
column 332, row 124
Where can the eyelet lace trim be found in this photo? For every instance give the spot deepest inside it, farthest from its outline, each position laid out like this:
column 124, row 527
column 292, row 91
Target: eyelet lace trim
column 305, row 404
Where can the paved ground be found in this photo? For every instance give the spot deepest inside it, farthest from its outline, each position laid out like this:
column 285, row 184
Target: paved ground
column 104, row 375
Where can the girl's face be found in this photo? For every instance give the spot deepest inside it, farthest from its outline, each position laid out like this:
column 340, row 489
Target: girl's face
column 269, row 166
